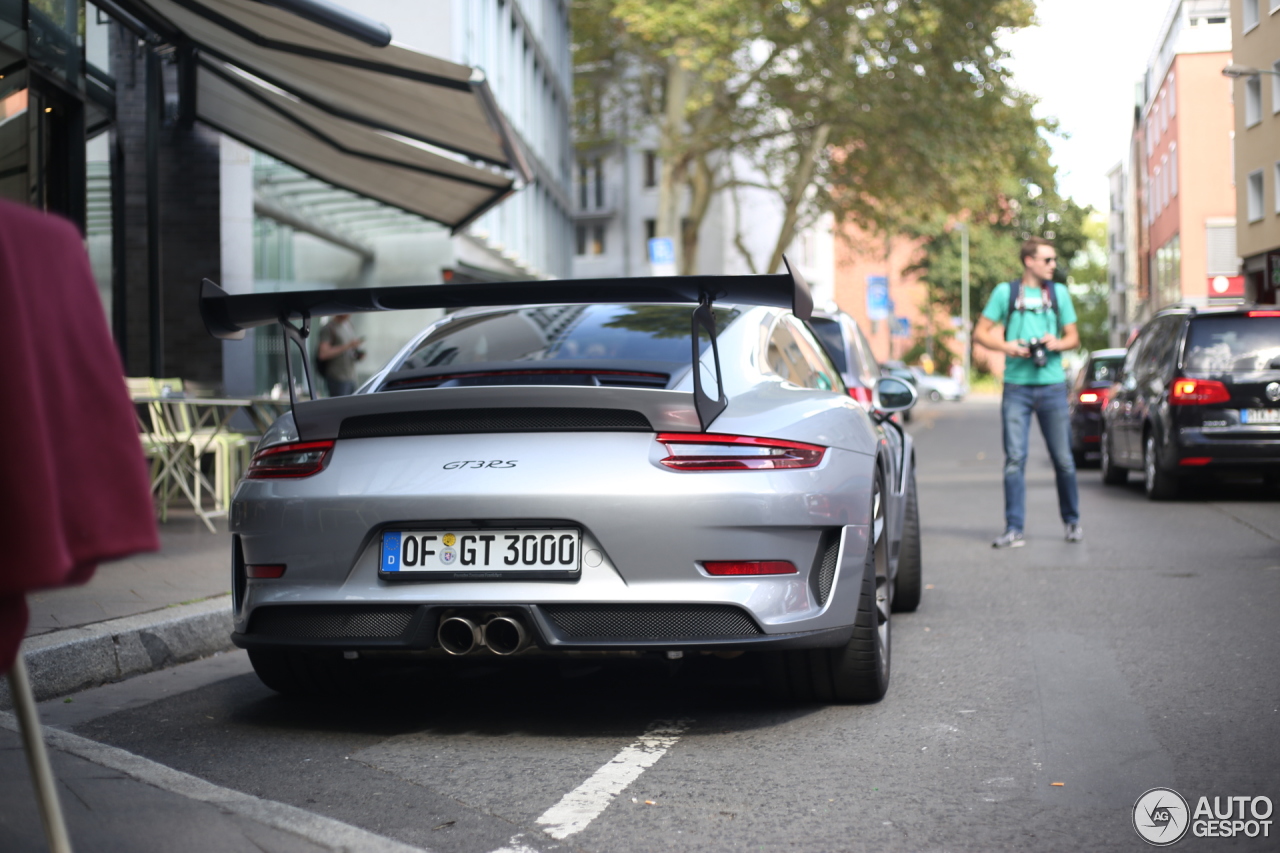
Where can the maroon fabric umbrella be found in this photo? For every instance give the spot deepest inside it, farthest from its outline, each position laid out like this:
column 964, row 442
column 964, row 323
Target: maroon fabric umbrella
column 72, row 473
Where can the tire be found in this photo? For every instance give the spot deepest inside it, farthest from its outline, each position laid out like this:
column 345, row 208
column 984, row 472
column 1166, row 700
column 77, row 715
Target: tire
column 306, row 673
column 859, row 670
column 909, row 581
column 1160, row 484
column 1112, row 474
column 935, row 396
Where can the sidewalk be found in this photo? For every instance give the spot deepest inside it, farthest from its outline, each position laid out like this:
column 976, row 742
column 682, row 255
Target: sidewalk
column 136, row 615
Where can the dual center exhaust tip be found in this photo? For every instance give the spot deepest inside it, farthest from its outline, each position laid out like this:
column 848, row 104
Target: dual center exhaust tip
column 502, row 635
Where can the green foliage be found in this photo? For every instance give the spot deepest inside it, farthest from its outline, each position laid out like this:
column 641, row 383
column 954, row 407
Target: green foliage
column 889, row 113
column 995, row 235
column 1089, row 288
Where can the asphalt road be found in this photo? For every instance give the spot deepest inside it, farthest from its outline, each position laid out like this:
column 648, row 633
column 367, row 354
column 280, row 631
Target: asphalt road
column 1146, row 656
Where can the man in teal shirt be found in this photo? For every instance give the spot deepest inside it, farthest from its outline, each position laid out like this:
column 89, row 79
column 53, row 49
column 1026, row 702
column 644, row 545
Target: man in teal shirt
column 1011, row 325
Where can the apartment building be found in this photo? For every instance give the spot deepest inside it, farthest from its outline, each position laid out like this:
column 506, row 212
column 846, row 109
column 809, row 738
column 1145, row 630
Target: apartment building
column 1255, row 47
column 1187, row 199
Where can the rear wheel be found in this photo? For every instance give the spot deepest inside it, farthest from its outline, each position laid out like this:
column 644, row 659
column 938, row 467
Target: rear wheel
column 907, row 583
column 297, row 672
column 859, row 670
column 1161, row 484
column 1112, row 474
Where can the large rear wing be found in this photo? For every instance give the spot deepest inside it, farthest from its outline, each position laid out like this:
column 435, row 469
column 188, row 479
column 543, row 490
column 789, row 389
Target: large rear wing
column 228, row 317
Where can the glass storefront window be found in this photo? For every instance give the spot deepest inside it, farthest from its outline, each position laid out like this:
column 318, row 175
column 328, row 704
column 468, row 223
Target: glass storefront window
column 57, row 34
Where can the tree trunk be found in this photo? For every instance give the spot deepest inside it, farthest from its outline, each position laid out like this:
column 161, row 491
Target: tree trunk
column 701, row 185
column 673, row 165
column 800, row 181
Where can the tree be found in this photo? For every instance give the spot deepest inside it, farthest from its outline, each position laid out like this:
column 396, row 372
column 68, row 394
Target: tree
column 884, row 112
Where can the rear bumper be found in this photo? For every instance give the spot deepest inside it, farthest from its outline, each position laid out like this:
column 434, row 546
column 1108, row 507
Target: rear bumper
column 1230, row 448
column 603, row 627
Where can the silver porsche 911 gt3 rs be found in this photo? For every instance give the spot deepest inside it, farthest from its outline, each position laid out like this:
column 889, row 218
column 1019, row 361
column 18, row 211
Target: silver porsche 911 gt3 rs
column 556, row 476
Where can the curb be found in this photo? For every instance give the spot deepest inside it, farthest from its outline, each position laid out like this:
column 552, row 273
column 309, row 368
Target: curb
column 63, row 662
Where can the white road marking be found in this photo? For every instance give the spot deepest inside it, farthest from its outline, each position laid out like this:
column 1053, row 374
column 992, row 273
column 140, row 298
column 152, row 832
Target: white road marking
column 585, row 803
column 326, row 832
column 514, row 846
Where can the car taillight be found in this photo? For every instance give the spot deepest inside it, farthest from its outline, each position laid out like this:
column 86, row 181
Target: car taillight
column 1096, row 397
column 862, row 395
column 748, row 567
column 299, row 459
column 1195, row 461
column 1198, row 392
column 1264, row 313
column 261, row 572
column 696, row 451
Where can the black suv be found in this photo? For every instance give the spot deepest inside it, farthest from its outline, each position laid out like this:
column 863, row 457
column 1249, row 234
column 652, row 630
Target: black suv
column 1199, row 393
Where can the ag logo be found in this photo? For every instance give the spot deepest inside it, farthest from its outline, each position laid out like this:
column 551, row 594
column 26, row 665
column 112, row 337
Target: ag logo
column 1273, row 391
column 1161, row 817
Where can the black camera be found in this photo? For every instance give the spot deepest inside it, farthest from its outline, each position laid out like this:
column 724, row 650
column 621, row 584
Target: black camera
column 1039, row 351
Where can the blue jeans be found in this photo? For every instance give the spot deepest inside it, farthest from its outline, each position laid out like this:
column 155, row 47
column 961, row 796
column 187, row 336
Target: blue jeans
column 1049, row 403
column 340, row 387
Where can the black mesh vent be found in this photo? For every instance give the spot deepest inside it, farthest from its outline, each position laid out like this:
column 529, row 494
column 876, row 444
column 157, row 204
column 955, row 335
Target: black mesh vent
column 333, row 623
column 828, row 557
column 650, row 621
column 450, row 421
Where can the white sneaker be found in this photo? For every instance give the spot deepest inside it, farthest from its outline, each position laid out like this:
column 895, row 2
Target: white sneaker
column 1010, row 539
column 1075, row 533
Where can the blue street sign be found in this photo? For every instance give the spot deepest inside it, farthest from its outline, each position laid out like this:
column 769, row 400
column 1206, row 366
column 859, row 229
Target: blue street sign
column 901, row 327
column 662, row 250
column 878, row 306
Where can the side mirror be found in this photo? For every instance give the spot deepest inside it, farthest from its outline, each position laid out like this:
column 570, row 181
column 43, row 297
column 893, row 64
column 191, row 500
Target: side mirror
column 892, row 394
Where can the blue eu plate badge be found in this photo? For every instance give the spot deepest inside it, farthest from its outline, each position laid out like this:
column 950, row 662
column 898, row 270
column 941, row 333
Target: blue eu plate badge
column 391, row 552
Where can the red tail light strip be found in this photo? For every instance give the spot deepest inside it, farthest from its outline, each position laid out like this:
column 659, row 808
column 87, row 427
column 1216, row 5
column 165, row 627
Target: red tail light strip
column 861, row 394
column 264, row 572
column 1195, row 461
column 299, row 459
column 696, row 451
column 1198, row 392
column 749, row 567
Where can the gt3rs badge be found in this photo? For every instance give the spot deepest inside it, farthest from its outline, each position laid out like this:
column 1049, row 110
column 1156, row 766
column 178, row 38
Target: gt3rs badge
column 480, row 463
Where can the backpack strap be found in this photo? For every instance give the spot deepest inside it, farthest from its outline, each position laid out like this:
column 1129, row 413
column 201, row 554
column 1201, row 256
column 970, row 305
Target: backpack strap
column 1048, row 290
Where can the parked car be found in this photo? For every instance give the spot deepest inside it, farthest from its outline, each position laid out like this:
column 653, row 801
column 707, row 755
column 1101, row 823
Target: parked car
column 849, row 350
column 1198, row 394
column 1088, row 397
column 560, row 477
column 936, row 387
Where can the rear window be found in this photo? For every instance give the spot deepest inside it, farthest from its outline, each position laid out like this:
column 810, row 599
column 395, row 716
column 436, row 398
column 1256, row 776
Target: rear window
column 828, row 332
column 1105, row 369
column 511, row 346
column 1233, row 344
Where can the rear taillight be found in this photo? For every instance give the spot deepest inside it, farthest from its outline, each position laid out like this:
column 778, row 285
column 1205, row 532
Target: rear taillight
column 299, row 459
column 1198, row 392
column 749, row 567
column 1195, row 461
column 696, row 451
column 1264, row 313
column 861, row 394
column 1095, row 398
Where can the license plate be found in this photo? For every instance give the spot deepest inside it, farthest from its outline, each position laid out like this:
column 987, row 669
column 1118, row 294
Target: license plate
column 488, row 553
column 1260, row 416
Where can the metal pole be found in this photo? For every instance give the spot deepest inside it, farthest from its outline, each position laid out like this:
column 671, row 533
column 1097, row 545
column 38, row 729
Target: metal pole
column 155, row 302
column 964, row 299
column 55, row 827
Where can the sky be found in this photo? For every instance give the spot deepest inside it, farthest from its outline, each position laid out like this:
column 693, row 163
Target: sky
column 1082, row 60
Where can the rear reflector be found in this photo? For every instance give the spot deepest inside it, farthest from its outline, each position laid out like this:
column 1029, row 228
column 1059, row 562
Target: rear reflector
column 697, row 451
column 299, row 459
column 1198, row 392
column 262, row 572
column 752, row 567
column 1195, row 461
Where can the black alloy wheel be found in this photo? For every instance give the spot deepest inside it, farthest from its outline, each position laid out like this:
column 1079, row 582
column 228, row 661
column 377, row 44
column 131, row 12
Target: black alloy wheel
column 1159, row 482
column 1112, row 474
